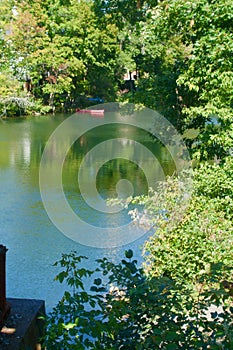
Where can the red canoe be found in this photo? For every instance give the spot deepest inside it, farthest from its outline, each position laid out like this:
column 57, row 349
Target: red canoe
column 90, row 111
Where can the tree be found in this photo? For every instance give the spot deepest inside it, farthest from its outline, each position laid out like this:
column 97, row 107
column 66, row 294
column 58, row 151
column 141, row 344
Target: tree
column 183, row 53
column 61, row 51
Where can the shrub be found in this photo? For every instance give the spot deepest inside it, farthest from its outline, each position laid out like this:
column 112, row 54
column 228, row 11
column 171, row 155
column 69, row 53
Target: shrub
column 127, row 310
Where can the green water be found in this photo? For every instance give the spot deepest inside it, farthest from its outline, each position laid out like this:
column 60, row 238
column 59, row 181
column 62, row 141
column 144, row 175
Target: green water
column 34, row 242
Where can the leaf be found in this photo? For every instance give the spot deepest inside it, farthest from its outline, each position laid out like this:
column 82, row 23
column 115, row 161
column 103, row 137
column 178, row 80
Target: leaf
column 97, row 281
column 92, row 303
column 61, row 276
column 129, row 254
column 93, row 289
column 191, row 134
column 69, row 326
column 67, row 296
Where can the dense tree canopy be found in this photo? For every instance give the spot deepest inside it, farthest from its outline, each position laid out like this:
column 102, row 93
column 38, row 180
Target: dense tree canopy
column 186, row 63
column 181, row 51
column 59, row 50
column 55, row 53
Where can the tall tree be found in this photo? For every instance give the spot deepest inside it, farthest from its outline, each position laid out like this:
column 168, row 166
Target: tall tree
column 184, row 55
column 12, row 97
column 60, row 47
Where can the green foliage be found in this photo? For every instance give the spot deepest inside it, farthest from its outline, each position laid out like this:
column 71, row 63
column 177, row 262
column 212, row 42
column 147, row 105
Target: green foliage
column 61, row 50
column 193, row 245
column 193, row 236
column 183, row 53
column 180, row 50
column 188, row 252
column 125, row 309
column 215, row 183
column 13, row 101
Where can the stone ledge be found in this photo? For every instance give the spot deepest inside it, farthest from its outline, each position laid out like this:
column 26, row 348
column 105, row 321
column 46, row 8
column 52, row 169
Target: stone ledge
column 23, row 328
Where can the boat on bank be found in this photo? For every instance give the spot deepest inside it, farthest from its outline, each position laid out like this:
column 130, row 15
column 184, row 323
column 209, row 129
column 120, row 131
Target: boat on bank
column 91, row 111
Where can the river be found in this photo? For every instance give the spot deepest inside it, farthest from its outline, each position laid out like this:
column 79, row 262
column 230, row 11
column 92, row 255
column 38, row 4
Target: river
column 33, row 240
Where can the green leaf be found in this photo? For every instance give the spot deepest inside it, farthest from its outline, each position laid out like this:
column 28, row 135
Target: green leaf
column 98, row 281
column 129, row 254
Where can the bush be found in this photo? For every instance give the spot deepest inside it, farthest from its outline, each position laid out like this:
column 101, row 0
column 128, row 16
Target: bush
column 181, row 298
column 127, row 310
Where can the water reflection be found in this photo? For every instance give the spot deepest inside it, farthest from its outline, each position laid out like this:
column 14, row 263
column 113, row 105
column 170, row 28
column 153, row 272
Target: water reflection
column 34, row 242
